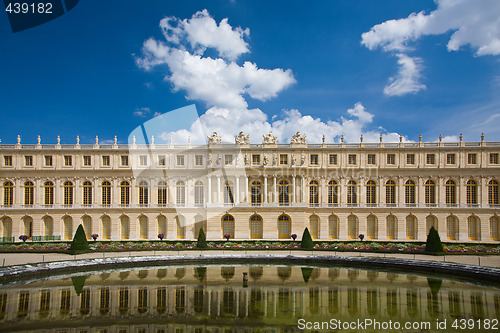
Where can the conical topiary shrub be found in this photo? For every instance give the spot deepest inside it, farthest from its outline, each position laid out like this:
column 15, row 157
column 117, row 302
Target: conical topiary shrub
column 79, row 243
column 306, row 242
column 433, row 244
column 306, row 273
column 201, row 243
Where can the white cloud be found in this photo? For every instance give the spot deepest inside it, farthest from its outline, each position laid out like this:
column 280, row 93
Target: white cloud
column 223, row 85
column 142, row 112
column 201, row 32
column 408, row 78
column 473, row 23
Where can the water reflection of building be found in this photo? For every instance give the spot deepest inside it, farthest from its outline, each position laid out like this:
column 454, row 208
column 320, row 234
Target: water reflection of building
column 190, row 297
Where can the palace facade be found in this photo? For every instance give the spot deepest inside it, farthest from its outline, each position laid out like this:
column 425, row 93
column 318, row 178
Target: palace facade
column 385, row 191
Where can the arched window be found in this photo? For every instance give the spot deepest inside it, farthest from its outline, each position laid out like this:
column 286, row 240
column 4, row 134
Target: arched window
column 333, row 226
column 87, row 193
column 143, row 227
column 410, row 192
column 371, row 193
column 162, row 193
column 471, row 192
column 284, row 227
column 494, row 228
column 473, row 225
column 106, row 227
column 29, row 190
column 256, row 193
column 87, row 225
column 106, row 193
column 430, row 192
column 180, row 191
column 333, row 190
column 68, row 193
column 124, row 193
column 180, row 223
column 48, row 193
column 451, row 193
column 228, row 192
column 392, row 227
column 228, row 225
column 431, row 221
column 371, row 227
column 411, row 227
column 199, row 193
column 162, row 225
column 283, row 197
column 313, row 193
column 28, row 226
column 451, row 228
column 8, row 193
column 314, row 226
column 7, row 226
column 493, row 192
column 68, row 227
column 125, row 227
column 351, row 193
column 143, row 193
column 352, row 227
column 256, row 227
column 48, row 225
column 199, row 223
column 390, row 192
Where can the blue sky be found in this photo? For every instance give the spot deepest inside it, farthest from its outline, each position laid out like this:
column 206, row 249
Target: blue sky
column 90, row 72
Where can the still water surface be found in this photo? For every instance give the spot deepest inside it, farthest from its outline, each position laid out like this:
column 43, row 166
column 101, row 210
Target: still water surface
column 271, row 299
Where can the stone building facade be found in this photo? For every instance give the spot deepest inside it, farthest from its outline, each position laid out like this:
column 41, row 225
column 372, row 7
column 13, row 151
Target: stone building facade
column 385, row 191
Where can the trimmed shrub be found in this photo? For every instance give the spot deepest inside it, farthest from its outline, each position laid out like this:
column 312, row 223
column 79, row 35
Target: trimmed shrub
column 79, row 243
column 306, row 242
column 433, row 244
column 201, row 243
column 306, row 273
column 79, row 283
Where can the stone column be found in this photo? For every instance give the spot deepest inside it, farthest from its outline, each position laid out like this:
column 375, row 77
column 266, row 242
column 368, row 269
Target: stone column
column 265, row 188
column 247, row 197
column 275, row 191
column 304, row 189
column 237, row 199
column 218, row 190
column 292, row 192
column 209, row 194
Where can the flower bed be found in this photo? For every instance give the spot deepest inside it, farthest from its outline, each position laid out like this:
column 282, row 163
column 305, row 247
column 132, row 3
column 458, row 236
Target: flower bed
column 354, row 246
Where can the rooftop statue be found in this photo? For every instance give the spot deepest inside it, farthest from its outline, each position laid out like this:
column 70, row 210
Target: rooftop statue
column 214, row 138
column 269, row 138
column 242, row 139
column 298, row 139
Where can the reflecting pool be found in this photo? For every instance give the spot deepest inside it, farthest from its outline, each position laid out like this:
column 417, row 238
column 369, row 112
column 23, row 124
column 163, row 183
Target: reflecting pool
column 240, row 298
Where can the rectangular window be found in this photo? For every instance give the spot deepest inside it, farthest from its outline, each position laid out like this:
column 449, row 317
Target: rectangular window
column 352, row 159
column 228, row 159
column 198, row 160
column 314, row 159
column 87, row 161
column 68, row 160
column 371, row 159
column 180, row 160
column 471, row 159
column 391, row 159
column 283, row 159
column 450, row 158
column 105, row 161
column 143, row 160
column 162, row 160
column 431, row 159
column 124, row 160
column 410, row 159
column 28, row 160
column 256, row 159
column 7, row 160
column 48, row 160
column 332, row 159
column 493, row 158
